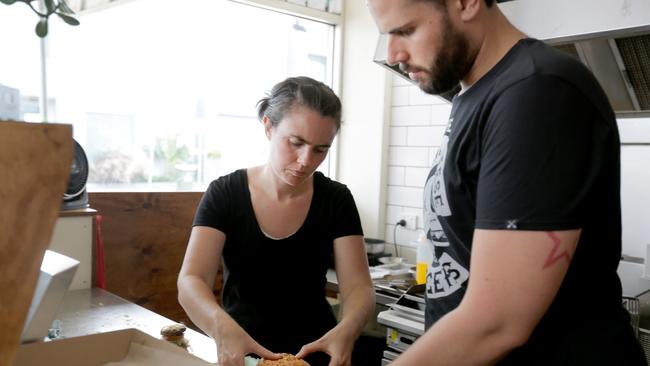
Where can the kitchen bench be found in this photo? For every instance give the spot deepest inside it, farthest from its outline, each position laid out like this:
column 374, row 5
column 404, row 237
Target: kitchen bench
column 93, row 310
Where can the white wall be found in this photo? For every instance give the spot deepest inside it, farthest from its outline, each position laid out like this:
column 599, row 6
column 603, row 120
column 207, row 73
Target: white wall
column 364, row 132
column 417, row 125
column 390, row 134
column 635, row 185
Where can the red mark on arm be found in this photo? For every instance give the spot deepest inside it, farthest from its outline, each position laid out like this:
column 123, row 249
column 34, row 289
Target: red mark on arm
column 554, row 256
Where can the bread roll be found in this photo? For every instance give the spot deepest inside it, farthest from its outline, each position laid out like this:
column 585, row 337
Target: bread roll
column 286, row 360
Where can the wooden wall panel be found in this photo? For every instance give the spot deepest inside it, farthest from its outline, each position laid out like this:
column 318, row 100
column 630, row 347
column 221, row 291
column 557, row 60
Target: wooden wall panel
column 145, row 235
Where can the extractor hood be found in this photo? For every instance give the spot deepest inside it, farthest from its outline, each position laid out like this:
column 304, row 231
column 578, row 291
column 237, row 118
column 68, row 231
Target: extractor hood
column 611, row 37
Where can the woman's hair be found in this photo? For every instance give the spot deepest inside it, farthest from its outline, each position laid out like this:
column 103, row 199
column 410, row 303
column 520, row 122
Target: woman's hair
column 299, row 91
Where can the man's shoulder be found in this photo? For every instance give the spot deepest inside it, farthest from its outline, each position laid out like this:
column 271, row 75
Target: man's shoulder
column 533, row 69
column 535, row 60
column 550, row 61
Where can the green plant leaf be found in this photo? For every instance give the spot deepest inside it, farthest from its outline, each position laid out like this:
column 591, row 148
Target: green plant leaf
column 49, row 5
column 41, row 28
column 68, row 19
column 8, row 2
column 64, row 8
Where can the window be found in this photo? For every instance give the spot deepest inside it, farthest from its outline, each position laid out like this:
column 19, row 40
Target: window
column 164, row 99
column 20, row 65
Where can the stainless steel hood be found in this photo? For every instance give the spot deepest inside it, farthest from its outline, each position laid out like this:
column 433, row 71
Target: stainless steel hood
column 611, row 37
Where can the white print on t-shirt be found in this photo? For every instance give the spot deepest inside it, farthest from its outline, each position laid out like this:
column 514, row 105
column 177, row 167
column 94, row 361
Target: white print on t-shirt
column 435, row 187
column 445, row 277
column 432, row 226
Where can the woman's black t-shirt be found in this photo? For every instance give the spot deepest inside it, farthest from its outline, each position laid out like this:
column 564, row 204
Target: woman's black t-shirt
column 275, row 289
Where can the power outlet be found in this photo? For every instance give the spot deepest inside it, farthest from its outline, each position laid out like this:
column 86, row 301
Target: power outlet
column 411, row 221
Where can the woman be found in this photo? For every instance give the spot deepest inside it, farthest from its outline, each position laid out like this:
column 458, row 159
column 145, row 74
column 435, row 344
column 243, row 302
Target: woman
column 275, row 228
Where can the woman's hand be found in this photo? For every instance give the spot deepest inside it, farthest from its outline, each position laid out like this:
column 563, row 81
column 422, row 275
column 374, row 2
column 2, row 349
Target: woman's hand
column 337, row 343
column 358, row 300
column 233, row 344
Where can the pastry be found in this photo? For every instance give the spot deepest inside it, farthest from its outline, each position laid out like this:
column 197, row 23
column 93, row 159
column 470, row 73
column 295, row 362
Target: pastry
column 286, row 360
column 174, row 333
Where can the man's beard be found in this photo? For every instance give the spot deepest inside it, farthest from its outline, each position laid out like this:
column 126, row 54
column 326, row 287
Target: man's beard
column 453, row 61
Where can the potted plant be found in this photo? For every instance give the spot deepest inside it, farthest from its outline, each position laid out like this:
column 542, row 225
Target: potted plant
column 58, row 7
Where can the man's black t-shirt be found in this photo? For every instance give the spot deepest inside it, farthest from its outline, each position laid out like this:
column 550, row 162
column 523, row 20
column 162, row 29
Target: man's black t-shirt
column 533, row 145
column 275, row 288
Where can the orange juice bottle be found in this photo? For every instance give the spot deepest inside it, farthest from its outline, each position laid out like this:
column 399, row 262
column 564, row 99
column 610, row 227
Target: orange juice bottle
column 424, row 258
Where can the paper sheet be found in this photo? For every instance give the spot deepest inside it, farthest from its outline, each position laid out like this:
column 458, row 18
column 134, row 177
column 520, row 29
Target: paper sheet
column 251, row 361
column 142, row 355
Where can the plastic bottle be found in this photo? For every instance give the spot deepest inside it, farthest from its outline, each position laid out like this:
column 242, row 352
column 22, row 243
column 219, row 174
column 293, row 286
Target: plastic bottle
column 423, row 259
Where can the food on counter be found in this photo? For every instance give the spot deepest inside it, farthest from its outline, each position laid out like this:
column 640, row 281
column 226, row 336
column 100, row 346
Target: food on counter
column 286, row 360
column 175, row 334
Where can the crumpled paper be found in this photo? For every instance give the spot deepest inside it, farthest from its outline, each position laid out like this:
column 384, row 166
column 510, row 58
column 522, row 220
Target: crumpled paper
column 251, row 361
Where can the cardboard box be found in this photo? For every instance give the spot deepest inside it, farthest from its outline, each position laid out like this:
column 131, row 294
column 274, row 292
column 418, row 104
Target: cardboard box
column 98, row 349
column 35, row 160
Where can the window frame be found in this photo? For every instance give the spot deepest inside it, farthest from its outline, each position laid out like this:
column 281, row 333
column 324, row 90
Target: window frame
column 336, row 21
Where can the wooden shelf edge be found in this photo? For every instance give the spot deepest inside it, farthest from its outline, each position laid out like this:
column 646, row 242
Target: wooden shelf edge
column 78, row 212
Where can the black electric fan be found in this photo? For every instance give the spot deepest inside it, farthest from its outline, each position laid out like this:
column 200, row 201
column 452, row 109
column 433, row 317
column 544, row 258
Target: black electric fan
column 76, row 196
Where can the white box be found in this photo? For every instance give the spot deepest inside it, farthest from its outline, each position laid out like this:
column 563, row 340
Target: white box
column 73, row 237
column 98, row 349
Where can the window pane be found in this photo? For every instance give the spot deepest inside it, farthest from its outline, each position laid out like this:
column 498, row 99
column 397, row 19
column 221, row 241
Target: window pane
column 165, row 100
column 20, row 67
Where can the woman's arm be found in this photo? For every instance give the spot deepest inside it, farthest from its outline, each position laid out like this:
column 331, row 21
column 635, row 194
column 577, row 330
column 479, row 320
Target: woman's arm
column 197, row 275
column 358, row 301
column 195, row 282
column 355, row 285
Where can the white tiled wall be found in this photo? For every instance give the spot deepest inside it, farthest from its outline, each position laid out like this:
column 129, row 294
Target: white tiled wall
column 417, row 123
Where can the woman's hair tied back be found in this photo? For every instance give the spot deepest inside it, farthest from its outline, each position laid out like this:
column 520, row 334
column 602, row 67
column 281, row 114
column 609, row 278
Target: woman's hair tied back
column 299, row 91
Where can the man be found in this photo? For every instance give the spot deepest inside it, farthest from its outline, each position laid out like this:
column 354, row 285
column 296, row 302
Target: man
column 525, row 188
